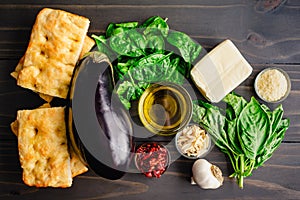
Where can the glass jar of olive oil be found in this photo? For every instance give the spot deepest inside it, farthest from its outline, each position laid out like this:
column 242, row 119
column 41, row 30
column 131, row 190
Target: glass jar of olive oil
column 165, row 108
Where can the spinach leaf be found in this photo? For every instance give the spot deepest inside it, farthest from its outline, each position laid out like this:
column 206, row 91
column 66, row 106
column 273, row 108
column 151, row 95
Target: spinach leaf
column 155, row 43
column 189, row 49
column 103, row 47
column 151, row 59
column 126, row 92
column 156, row 25
column 183, row 67
column 128, row 43
column 110, row 30
column 152, row 68
column 139, row 57
column 122, row 65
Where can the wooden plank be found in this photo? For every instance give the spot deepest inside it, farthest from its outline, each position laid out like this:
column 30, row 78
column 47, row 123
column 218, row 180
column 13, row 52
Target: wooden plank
column 256, row 32
column 278, row 177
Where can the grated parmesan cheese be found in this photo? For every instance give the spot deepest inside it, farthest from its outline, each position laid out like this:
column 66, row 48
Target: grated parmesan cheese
column 272, row 85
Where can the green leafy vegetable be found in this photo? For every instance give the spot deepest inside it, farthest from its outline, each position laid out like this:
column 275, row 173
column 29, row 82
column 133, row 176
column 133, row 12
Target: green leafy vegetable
column 139, row 57
column 187, row 47
column 156, row 24
column 114, row 29
column 253, row 128
column 128, row 43
column 247, row 132
column 152, row 68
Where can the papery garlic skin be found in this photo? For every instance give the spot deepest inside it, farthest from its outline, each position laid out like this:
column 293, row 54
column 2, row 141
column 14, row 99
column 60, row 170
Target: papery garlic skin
column 206, row 175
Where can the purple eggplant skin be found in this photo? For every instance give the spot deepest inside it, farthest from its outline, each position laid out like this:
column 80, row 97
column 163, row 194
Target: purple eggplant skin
column 114, row 120
column 99, row 128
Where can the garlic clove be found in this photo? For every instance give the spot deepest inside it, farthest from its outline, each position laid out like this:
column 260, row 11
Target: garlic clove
column 206, row 175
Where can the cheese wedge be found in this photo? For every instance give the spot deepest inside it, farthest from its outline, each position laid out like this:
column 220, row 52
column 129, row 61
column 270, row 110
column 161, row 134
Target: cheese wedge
column 220, row 71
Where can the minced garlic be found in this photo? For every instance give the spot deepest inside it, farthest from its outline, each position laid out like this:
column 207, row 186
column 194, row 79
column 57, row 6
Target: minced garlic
column 193, row 141
column 272, row 85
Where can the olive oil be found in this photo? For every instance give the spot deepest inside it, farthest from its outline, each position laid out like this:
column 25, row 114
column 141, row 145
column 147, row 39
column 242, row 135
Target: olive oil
column 165, row 108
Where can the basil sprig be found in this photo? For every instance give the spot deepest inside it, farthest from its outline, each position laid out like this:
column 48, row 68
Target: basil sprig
column 247, row 132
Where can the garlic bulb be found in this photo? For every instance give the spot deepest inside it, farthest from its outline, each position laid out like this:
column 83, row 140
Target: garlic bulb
column 206, row 175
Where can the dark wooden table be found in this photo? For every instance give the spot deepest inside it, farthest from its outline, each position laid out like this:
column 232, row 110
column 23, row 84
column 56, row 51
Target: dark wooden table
column 266, row 32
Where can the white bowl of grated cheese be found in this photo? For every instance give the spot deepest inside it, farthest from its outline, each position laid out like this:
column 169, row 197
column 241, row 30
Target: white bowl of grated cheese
column 193, row 142
column 272, row 85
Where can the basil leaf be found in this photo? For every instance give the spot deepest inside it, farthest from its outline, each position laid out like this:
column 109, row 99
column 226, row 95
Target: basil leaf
column 273, row 143
column 232, row 136
column 213, row 122
column 253, row 127
column 235, row 103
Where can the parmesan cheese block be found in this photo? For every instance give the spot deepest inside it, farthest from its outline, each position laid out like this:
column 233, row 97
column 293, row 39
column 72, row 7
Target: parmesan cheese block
column 220, row 71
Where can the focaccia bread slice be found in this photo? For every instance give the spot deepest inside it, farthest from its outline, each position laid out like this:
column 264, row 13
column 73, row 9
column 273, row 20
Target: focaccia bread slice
column 77, row 166
column 87, row 46
column 55, row 44
column 43, row 148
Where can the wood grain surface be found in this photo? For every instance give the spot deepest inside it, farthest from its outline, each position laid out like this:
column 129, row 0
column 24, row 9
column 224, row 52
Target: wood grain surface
column 267, row 32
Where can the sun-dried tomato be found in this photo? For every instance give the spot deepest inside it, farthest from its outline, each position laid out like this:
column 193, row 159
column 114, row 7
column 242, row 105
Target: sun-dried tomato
column 152, row 159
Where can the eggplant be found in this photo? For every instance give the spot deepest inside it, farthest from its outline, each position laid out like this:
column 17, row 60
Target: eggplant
column 100, row 129
column 113, row 118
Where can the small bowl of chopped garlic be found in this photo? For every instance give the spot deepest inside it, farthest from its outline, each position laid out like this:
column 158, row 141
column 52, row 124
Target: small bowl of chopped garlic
column 193, row 142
